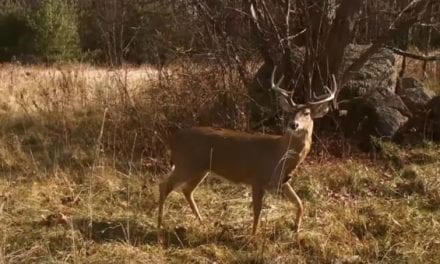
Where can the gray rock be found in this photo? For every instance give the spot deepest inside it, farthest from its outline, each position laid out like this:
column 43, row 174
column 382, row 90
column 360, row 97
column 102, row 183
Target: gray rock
column 381, row 113
column 387, row 121
column 414, row 94
column 386, row 98
column 424, row 125
column 377, row 73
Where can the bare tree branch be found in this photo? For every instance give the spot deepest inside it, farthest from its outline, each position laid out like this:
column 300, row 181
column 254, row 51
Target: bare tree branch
column 415, row 56
column 229, row 45
column 264, row 45
column 418, row 7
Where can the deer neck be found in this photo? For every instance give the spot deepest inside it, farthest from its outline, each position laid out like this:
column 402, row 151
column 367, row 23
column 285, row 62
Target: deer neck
column 296, row 144
column 294, row 147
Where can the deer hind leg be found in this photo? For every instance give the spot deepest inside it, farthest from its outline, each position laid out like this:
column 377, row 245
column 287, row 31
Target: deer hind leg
column 188, row 190
column 257, row 204
column 294, row 198
column 170, row 183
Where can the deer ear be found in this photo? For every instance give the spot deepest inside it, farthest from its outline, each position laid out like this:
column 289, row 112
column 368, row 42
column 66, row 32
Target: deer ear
column 319, row 111
column 285, row 105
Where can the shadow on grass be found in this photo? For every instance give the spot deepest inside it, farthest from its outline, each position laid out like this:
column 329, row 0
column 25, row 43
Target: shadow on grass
column 123, row 230
column 115, row 230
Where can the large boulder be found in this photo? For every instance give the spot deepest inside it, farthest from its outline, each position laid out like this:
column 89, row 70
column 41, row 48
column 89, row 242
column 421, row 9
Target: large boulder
column 378, row 72
column 424, row 125
column 414, row 94
column 387, row 121
column 381, row 113
column 386, row 98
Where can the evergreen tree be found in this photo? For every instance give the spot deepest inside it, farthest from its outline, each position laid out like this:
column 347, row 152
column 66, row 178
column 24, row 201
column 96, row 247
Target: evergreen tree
column 54, row 26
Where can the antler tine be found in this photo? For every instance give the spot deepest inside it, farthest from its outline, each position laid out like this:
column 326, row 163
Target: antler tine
column 322, row 96
column 253, row 13
column 327, row 97
column 335, row 83
column 276, row 86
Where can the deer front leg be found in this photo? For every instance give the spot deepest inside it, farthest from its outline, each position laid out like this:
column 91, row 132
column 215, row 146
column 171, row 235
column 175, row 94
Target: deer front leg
column 294, row 198
column 257, row 203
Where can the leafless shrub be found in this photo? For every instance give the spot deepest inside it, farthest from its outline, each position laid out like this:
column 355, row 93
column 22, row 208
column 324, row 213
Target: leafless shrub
column 60, row 118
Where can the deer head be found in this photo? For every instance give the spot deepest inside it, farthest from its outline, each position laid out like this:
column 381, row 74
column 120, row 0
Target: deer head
column 300, row 116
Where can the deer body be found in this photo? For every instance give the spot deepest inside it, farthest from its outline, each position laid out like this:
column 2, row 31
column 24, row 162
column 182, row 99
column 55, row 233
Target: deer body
column 241, row 157
column 262, row 161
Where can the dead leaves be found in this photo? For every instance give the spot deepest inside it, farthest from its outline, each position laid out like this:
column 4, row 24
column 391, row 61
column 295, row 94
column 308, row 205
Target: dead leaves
column 60, row 218
column 70, row 200
column 54, row 219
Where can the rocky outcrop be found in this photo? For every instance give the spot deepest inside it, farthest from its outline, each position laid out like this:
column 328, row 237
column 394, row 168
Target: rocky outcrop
column 381, row 113
column 378, row 72
column 374, row 101
column 424, row 125
column 414, row 94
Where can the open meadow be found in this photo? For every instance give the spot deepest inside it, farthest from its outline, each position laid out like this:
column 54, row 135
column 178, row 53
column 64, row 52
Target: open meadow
column 82, row 150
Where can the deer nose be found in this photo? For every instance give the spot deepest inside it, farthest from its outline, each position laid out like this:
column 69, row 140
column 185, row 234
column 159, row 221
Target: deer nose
column 295, row 125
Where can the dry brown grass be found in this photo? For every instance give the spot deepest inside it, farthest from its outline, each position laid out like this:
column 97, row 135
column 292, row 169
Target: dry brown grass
column 59, row 110
column 356, row 213
column 80, row 158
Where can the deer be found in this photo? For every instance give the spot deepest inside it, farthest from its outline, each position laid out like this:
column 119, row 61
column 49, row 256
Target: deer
column 262, row 161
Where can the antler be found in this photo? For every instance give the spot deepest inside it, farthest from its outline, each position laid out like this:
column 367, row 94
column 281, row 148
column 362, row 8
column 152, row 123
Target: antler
column 327, row 97
column 276, row 87
column 288, row 95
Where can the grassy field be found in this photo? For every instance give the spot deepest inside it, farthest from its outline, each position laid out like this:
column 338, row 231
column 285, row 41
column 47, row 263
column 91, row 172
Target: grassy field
column 356, row 212
column 79, row 176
